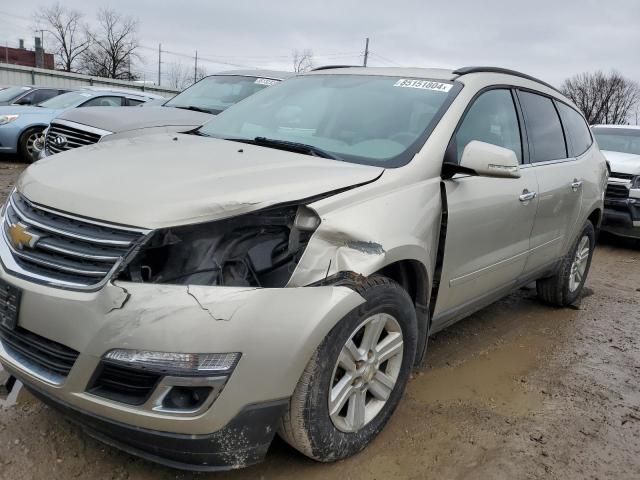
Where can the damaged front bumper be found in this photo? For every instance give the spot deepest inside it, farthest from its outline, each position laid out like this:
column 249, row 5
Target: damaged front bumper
column 274, row 330
column 622, row 215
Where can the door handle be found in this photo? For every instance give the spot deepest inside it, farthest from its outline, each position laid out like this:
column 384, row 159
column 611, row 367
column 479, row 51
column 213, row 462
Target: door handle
column 576, row 184
column 528, row 196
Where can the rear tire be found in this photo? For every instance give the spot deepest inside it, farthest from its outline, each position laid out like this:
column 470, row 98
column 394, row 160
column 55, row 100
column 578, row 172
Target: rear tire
column 565, row 287
column 356, row 377
column 26, row 144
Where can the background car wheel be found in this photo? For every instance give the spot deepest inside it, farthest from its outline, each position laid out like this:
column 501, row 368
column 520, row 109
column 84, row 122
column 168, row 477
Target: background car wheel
column 356, row 377
column 565, row 287
column 26, row 144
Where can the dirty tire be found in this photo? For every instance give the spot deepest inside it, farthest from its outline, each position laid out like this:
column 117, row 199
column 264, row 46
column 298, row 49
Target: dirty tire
column 307, row 426
column 556, row 290
column 25, row 144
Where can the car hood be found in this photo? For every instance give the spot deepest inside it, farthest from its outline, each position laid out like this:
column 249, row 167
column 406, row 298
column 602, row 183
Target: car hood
column 122, row 119
column 623, row 162
column 167, row 180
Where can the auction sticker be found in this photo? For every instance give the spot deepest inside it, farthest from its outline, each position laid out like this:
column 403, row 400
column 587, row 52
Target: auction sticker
column 423, row 84
column 266, row 81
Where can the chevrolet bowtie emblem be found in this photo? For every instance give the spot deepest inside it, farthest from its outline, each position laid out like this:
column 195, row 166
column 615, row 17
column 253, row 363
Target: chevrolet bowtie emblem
column 20, row 237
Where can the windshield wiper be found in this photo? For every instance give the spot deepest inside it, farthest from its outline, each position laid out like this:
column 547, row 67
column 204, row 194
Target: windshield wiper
column 193, row 108
column 289, row 146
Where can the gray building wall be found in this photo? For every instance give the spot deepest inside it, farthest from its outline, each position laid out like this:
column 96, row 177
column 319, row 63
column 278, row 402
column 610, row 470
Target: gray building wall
column 18, row 75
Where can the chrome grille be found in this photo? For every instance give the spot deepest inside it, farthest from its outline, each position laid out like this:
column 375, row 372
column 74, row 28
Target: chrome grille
column 621, row 176
column 73, row 137
column 617, row 190
column 63, row 249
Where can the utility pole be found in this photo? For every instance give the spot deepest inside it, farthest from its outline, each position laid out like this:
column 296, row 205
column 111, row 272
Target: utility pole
column 195, row 70
column 159, row 62
column 366, row 53
column 41, row 37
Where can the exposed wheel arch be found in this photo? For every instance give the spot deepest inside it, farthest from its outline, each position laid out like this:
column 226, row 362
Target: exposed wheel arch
column 412, row 276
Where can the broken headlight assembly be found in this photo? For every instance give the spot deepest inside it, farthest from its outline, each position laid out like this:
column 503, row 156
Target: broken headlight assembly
column 259, row 249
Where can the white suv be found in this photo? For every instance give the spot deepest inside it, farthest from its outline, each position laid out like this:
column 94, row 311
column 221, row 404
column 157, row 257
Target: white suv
column 280, row 269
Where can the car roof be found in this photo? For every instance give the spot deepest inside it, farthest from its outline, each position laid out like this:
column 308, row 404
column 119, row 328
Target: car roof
column 482, row 76
column 432, row 73
column 272, row 74
column 119, row 91
column 623, row 127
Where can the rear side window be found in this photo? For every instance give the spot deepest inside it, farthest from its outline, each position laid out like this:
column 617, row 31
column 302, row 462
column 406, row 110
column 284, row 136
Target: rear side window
column 44, row 94
column 132, row 102
column 492, row 119
column 576, row 129
column 103, row 102
column 546, row 140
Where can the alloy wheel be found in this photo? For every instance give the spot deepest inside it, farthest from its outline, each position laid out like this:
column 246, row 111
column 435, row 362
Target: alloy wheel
column 366, row 372
column 579, row 265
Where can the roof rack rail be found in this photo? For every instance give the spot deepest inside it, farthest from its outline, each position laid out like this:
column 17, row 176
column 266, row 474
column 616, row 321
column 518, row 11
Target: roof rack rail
column 515, row 73
column 330, row 67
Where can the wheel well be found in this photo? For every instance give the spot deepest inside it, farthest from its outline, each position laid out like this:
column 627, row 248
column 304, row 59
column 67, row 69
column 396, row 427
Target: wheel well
column 412, row 276
column 595, row 217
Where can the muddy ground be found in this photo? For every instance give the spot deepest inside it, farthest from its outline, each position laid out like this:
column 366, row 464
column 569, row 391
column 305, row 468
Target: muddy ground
column 519, row 390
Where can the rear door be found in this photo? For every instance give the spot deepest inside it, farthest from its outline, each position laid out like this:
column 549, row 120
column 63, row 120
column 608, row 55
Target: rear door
column 489, row 219
column 559, row 180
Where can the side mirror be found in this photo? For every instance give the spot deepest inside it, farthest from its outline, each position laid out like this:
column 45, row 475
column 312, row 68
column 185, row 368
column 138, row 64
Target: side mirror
column 488, row 160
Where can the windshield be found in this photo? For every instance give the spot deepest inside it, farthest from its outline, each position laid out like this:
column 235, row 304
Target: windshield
column 375, row 120
column 66, row 100
column 625, row 140
column 11, row 93
column 217, row 93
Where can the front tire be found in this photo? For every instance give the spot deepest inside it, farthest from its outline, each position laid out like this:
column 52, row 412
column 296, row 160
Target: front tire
column 28, row 152
column 565, row 287
column 356, row 377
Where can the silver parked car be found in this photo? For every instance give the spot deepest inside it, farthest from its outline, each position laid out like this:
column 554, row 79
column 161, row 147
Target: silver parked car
column 620, row 144
column 187, row 110
column 280, row 269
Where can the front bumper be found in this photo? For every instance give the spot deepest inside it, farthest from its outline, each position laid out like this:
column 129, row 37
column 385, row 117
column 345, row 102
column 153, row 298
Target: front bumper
column 276, row 330
column 242, row 442
column 9, row 135
column 622, row 215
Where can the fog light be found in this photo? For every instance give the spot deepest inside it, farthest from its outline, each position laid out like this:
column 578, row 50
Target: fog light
column 186, row 398
column 179, row 364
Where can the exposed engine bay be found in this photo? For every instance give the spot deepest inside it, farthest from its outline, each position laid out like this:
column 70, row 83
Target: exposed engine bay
column 259, row 249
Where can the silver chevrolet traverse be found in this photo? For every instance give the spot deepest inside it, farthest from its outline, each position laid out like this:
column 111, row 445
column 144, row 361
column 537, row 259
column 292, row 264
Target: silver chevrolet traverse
column 279, row 270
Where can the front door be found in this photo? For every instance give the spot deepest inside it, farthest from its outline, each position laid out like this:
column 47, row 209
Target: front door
column 489, row 219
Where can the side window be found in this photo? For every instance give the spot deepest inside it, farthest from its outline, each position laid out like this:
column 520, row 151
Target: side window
column 43, row 95
column 492, row 119
column 544, row 129
column 103, row 102
column 576, row 129
column 27, row 99
column 132, row 102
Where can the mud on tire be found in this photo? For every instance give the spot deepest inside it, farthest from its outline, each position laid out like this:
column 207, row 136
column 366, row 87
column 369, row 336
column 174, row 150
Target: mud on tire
column 556, row 290
column 308, row 425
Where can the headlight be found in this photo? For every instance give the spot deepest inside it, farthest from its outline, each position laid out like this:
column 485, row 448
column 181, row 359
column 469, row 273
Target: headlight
column 178, row 364
column 4, row 119
column 636, row 182
column 258, row 249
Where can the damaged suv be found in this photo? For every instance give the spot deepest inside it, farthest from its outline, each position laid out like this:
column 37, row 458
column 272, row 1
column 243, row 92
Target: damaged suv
column 185, row 297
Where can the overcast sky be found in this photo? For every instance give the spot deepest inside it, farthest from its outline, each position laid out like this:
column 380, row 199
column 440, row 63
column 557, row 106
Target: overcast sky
column 551, row 39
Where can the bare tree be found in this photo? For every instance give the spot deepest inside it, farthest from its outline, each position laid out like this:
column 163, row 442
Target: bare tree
column 113, row 46
column 302, row 60
column 179, row 76
column 65, row 30
column 603, row 98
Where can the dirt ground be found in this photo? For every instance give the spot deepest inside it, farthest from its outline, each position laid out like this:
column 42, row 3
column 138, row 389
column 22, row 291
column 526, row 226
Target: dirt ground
column 518, row 390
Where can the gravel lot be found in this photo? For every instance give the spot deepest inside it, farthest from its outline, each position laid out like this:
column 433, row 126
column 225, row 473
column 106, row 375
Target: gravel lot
column 519, row 390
